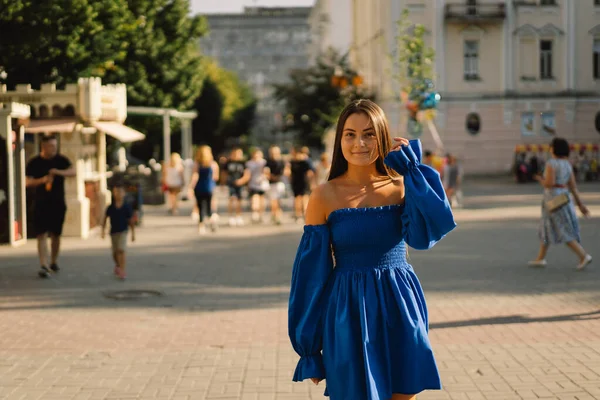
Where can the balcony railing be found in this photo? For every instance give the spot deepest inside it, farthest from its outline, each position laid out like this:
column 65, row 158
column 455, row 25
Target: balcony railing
column 461, row 12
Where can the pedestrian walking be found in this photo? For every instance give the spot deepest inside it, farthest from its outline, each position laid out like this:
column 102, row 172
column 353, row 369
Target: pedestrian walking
column 301, row 176
column 234, row 170
column 173, row 179
column 46, row 173
column 276, row 169
column 363, row 325
column 559, row 218
column 452, row 178
column 203, row 184
column 255, row 176
column 121, row 218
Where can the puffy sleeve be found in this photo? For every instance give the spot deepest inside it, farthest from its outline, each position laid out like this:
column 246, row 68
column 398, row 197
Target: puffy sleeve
column 312, row 267
column 427, row 216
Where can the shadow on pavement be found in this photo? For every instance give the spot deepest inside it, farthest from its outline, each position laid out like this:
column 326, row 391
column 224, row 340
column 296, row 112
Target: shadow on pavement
column 226, row 272
column 515, row 319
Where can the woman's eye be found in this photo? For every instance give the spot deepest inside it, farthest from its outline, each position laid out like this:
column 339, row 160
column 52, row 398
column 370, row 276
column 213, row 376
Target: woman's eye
column 370, row 135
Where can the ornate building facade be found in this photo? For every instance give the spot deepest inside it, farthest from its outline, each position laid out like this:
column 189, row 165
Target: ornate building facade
column 509, row 72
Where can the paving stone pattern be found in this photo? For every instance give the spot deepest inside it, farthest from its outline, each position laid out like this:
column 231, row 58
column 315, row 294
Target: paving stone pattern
column 500, row 330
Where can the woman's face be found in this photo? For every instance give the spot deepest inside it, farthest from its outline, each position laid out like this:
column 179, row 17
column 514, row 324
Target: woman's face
column 359, row 140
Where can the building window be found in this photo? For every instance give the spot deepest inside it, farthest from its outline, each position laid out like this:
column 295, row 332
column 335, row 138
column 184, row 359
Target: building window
column 473, row 123
column 471, row 60
column 548, row 2
column 472, row 7
column 597, row 2
column 597, row 122
column 597, row 58
column 546, row 59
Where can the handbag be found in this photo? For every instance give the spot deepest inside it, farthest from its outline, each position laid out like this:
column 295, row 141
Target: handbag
column 557, row 202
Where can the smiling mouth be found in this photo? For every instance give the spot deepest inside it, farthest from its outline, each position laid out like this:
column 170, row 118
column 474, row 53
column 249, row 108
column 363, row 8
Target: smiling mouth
column 360, row 153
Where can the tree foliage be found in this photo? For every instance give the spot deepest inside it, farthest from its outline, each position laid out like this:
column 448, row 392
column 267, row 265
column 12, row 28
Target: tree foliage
column 58, row 41
column 150, row 45
column 315, row 96
column 413, row 59
column 226, row 108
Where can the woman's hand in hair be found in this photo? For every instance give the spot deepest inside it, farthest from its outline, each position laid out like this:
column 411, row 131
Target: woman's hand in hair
column 398, row 143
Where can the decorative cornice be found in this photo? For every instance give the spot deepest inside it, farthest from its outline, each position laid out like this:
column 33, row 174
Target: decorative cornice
column 526, row 30
column 546, row 30
column 550, row 30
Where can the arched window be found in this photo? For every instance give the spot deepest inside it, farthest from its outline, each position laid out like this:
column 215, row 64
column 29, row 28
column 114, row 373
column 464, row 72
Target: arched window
column 44, row 111
column 69, row 111
column 597, row 122
column 473, row 123
column 33, row 112
column 56, row 111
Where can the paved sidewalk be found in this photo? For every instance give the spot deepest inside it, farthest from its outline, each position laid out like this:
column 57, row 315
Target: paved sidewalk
column 500, row 330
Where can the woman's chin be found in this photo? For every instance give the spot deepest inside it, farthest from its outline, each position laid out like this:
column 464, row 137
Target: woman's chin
column 360, row 161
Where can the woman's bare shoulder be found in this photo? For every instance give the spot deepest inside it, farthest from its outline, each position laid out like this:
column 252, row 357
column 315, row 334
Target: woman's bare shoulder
column 319, row 204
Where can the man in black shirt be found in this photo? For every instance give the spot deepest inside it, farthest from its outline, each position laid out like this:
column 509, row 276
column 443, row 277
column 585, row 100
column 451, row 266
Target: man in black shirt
column 277, row 169
column 46, row 173
column 234, row 170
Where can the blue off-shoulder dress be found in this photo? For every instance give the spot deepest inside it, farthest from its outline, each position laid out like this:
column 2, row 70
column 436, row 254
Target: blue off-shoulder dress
column 361, row 321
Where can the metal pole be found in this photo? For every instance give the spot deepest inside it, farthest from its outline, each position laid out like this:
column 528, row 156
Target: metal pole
column 166, row 137
column 185, row 139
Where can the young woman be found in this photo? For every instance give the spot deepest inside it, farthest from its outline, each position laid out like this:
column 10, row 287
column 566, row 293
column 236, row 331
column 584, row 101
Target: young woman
column 204, row 180
column 560, row 225
column 363, row 325
column 174, row 181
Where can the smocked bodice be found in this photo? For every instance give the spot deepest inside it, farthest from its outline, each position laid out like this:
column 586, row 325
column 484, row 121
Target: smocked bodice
column 367, row 238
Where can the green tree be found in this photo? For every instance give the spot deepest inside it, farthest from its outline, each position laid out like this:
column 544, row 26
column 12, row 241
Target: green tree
column 413, row 62
column 150, row 45
column 413, row 59
column 226, row 108
column 162, row 66
column 61, row 40
column 315, row 96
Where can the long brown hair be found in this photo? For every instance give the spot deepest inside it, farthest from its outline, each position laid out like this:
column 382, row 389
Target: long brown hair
column 339, row 164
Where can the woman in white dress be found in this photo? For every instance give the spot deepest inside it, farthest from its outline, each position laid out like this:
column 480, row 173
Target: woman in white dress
column 174, row 181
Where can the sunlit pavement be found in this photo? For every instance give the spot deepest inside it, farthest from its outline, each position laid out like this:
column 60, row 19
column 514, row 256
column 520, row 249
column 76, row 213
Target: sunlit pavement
column 216, row 328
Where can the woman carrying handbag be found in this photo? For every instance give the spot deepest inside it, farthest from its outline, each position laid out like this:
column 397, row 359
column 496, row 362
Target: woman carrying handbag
column 559, row 219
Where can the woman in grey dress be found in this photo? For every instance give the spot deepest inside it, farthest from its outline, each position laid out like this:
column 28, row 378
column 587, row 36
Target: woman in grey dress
column 560, row 225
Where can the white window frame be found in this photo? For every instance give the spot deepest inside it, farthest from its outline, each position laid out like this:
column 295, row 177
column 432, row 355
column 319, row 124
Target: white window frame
column 546, row 60
column 471, row 59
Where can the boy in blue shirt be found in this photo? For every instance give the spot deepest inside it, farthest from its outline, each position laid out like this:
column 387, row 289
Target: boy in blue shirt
column 121, row 218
